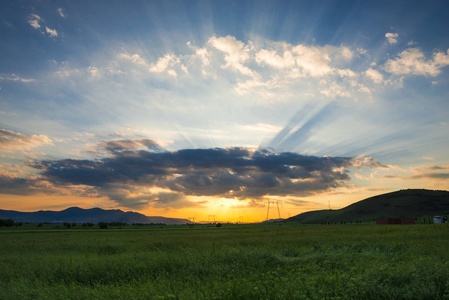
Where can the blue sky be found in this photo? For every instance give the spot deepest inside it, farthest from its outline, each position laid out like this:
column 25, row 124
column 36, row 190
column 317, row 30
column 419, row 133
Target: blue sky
column 244, row 101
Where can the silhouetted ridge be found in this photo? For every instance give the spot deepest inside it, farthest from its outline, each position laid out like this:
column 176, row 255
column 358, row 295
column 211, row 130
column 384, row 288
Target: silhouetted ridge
column 92, row 215
column 403, row 203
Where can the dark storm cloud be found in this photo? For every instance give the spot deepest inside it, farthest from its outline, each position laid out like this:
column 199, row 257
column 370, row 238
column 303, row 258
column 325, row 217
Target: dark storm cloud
column 231, row 172
column 24, row 186
column 14, row 185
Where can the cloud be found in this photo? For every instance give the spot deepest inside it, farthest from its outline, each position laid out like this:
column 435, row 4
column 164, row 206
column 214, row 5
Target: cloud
column 435, row 175
column 128, row 144
column 271, row 58
column 392, row 37
column 51, row 32
column 14, row 77
column 236, row 53
column 34, row 20
column 165, row 63
column 303, row 60
column 240, row 173
column 16, row 186
column 346, row 73
column 435, row 172
column 135, row 58
column 413, row 61
column 374, row 75
column 366, row 161
column 61, row 12
column 11, row 141
column 261, row 127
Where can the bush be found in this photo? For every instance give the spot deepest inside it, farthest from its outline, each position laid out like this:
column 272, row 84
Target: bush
column 103, row 225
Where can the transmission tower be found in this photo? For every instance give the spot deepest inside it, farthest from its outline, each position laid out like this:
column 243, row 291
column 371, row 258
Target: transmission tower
column 268, row 208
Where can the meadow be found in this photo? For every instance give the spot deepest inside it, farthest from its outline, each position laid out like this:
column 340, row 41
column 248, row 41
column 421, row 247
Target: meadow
column 265, row 261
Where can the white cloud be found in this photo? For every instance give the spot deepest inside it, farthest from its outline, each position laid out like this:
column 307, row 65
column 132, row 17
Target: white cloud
column 51, row 32
column 335, row 90
column 61, row 12
column 345, row 73
column 94, row 72
column 267, row 71
column 441, row 59
column 302, row 60
column 413, row 61
column 236, row 53
column 14, row 77
column 164, row 63
column 33, row 20
column 255, row 84
column 346, row 53
column 135, row 58
column 374, row 75
column 392, row 37
column 201, row 53
column 313, row 61
column 261, row 127
column 271, row 58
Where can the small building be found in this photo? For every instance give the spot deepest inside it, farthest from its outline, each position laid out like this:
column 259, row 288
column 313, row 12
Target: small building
column 439, row 220
column 398, row 221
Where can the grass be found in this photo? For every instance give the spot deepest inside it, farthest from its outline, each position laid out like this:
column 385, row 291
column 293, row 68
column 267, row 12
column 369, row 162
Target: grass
column 232, row 262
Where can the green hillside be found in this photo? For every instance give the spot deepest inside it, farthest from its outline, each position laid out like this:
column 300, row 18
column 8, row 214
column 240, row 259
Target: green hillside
column 403, row 203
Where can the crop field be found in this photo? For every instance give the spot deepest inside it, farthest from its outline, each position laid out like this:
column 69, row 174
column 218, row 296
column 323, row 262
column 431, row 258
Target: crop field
column 265, row 261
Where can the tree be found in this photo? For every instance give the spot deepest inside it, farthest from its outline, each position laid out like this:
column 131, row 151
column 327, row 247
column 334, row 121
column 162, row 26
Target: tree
column 7, row 222
column 103, row 225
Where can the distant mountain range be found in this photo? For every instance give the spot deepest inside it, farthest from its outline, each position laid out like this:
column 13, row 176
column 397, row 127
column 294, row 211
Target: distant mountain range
column 93, row 215
column 403, row 203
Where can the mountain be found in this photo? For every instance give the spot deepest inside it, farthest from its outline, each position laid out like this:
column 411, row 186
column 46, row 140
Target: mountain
column 93, row 215
column 403, row 203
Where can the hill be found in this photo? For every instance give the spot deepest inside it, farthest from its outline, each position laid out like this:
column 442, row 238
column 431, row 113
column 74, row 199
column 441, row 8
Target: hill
column 403, row 203
column 93, row 215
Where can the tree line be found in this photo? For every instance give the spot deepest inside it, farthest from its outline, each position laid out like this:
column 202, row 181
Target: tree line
column 9, row 223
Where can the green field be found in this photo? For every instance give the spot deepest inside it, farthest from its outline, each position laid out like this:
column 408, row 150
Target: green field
column 264, row 261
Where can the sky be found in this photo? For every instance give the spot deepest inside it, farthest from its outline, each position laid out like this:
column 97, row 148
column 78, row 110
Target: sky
column 221, row 109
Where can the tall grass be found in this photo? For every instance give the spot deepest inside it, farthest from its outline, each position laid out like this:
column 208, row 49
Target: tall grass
column 268, row 262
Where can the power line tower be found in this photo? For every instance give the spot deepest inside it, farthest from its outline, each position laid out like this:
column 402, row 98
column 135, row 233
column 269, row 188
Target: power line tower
column 268, row 208
column 191, row 219
column 211, row 219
